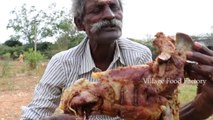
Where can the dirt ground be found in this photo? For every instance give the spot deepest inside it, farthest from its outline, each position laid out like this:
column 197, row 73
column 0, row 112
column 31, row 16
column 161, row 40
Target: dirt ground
column 11, row 101
column 16, row 91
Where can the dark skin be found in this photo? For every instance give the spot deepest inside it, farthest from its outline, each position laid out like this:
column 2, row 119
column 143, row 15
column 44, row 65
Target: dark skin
column 102, row 42
column 202, row 106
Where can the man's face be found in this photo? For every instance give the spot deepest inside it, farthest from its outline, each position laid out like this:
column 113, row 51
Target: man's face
column 103, row 19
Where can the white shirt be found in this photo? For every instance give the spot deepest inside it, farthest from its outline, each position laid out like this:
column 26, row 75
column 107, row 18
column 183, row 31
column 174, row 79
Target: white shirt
column 70, row 65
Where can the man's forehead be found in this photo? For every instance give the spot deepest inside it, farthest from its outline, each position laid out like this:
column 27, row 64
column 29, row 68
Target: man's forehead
column 90, row 3
column 105, row 1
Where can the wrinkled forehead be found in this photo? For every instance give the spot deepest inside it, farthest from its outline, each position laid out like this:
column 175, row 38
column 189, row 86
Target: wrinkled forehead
column 105, row 1
column 91, row 3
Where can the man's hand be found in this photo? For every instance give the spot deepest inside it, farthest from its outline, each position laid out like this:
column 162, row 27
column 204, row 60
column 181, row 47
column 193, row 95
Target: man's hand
column 202, row 106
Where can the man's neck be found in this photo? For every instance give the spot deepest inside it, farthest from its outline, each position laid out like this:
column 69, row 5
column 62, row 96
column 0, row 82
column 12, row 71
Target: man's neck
column 103, row 54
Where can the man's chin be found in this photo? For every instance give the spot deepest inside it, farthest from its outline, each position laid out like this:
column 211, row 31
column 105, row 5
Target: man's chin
column 110, row 35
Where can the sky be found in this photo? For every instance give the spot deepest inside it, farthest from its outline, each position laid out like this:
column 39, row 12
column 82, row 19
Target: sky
column 142, row 18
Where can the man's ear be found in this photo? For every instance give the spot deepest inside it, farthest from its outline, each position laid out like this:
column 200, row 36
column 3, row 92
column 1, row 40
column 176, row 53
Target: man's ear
column 79, row 24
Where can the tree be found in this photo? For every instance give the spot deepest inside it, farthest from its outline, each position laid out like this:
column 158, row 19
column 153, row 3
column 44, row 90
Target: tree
column 44, row 46
column 33, row 25
column 76, row 39
column 33, row 58
column 12, row 43
column 65, row 41
column 25, row 23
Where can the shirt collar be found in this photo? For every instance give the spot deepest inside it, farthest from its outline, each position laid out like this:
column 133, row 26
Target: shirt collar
column 118, row 55
column 87, row 63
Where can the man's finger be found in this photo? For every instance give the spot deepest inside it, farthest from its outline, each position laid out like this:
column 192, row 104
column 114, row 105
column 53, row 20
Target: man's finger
column 200, row 58
column 204, row 70
column 203, row 49
column 208, row 88
column 194, row 75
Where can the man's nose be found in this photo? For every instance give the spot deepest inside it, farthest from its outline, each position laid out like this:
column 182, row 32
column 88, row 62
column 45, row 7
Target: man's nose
column 108, row 13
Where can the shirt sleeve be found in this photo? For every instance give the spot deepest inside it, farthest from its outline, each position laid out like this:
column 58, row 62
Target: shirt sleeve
column 144, row 56
column 47, row 93
column 147, row 55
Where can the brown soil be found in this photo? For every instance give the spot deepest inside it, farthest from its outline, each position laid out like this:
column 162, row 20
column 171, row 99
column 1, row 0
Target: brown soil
column 16, row 91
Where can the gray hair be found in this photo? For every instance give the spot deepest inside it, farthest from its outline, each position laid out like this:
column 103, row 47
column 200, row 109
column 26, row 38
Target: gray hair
column 78, row 7
column 114, row 22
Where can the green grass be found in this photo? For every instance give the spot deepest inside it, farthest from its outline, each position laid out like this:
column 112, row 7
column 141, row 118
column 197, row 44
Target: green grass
column 11, row 70
column 187, row 93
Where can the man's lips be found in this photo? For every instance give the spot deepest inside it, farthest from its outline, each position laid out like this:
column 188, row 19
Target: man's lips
column 110, row 28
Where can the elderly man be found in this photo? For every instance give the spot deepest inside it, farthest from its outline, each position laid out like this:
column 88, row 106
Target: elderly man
column 103, row 49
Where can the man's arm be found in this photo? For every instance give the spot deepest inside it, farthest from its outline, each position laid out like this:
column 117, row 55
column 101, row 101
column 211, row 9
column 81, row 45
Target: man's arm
column 47, row 93
column 202, row 106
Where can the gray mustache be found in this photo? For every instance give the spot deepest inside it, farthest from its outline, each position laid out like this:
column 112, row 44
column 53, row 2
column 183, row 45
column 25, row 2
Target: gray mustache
column 104, row 23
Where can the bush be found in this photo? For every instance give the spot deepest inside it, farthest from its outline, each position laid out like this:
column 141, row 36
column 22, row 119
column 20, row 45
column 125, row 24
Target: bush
column 44, row 46
column 13, row 43
column 4, row 49
column 4, row 65
column 33, row 58
column 6, row 56
column 14, row 51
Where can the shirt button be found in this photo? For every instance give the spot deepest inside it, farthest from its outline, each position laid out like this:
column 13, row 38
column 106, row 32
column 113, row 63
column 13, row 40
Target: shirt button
column 97, row 70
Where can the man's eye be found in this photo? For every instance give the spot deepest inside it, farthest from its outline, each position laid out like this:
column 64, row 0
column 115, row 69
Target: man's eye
column 114, row 7
column 97, row 9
